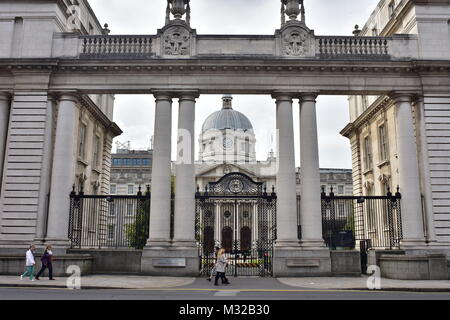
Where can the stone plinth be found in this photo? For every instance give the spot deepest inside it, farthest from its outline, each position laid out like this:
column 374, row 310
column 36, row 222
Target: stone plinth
column 181, row 262
column 295, row 262
column 11, row 264
column 346, row 263
column 405, row 267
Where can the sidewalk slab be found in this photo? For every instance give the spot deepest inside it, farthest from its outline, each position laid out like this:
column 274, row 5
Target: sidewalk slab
column 360, row 283
column 101, row 282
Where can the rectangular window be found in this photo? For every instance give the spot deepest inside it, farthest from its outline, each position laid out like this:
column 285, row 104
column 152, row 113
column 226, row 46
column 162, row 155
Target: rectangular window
column 367, row 154
column 382, row 138
column 340, row 189
column 113, row 189
column 391, row 8
column 96, row 155
column 130, row 189
column 82, row 141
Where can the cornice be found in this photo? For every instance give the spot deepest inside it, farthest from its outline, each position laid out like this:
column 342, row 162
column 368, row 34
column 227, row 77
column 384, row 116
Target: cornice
column 98, row 114
column 227, row 66
column 379, row 104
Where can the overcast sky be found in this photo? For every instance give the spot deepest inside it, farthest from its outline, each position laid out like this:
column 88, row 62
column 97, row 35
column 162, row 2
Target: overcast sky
column 135, row 113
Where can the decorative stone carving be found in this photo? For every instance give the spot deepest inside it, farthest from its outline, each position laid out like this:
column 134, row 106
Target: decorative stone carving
column 177, row 41
column 295, row 42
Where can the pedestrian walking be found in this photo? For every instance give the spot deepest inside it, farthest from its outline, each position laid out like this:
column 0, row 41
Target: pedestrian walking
column 221, row 267
column 29, row 263
column 213, row 270
column 46, row 263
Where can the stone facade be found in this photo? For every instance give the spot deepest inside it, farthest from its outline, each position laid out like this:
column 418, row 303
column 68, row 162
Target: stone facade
column 374, row 132
column 130, row 169
column 52, row 140
column 46, row 62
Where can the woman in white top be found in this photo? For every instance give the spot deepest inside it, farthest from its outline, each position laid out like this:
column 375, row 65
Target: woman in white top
column 220, row 267
column 29, row 263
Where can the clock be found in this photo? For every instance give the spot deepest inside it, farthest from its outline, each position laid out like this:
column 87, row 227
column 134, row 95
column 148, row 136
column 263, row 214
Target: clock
column 227, row 143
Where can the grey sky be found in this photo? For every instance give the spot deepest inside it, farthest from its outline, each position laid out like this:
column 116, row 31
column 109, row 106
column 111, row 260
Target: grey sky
column 135, row 114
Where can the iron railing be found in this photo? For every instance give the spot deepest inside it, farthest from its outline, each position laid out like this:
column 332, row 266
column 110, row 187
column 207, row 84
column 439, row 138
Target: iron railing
column 109, row 221
column 348, row 220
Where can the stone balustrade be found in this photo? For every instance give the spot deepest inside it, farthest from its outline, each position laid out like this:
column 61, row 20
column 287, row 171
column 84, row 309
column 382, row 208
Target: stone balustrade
column 332, row 46
column 133, row 46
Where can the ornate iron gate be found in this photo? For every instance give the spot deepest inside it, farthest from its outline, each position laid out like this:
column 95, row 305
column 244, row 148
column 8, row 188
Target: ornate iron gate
column 237, row 214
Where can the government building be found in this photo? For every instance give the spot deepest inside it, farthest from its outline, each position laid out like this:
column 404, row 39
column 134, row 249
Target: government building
column 60, row 70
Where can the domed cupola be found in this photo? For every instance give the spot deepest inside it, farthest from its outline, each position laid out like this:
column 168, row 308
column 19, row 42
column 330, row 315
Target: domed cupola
column 227, row 118
column 227, row 136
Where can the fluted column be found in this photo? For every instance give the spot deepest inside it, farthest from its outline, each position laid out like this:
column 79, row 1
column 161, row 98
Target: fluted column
column 412, row 220
column 63, row 171
column 184, row 235
column 286, row 201
column 161, row 173
column 310, row 203
column 5, row 106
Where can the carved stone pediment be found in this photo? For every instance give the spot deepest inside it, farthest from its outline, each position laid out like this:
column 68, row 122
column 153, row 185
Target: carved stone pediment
column 176, row 41
column 296, row 41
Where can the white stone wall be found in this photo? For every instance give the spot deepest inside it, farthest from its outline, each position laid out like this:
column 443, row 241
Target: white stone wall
column 437, row 125
column 22, row 194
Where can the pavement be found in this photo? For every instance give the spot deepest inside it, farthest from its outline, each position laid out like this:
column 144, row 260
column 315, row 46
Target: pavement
column 237, row 284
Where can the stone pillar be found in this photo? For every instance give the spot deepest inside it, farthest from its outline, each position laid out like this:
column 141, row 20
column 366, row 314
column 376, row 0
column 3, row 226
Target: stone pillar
column 424, row 168
column 310, row 203
column 63, row 172
column 5, row 106
column 184, row 235
column 286, row 202
column 290, row 259
column 161, row 173
column 412, row 220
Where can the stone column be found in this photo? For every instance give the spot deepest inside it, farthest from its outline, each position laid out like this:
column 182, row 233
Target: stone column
column 5, row 106
column 286, row 202
column 412, row 220
column 184, row 235
column 161, row 173
column 424, row 168
column 310, row 203
column 63, row 171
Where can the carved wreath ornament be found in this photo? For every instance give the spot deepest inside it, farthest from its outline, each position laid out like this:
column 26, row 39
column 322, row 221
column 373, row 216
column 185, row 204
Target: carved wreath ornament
column 294, row 43
column 177, row 42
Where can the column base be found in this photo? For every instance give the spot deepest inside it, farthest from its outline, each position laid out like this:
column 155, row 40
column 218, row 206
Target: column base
column 413, row 244
column 315, row 244
column 298, row 262
column 170, row 261
column 184, row 244
column 158, row 243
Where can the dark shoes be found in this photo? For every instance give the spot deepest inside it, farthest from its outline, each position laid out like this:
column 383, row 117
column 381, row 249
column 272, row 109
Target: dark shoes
column 209, row 279
column 51, row 279
column 36, row 279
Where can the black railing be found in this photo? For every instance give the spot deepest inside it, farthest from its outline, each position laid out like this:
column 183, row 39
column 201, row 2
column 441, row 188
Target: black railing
column 348, row 220
column 109, row 221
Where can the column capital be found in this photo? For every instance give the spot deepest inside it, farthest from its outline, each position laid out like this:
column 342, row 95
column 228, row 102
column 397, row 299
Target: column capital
column 163, row 95
column 308, row 96
column 401, row 96
column 5, row 96
column 283, row 96
column 68, row 96
column 188, row 95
